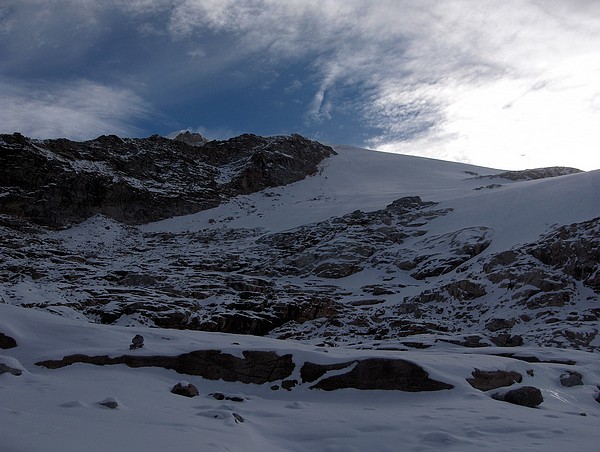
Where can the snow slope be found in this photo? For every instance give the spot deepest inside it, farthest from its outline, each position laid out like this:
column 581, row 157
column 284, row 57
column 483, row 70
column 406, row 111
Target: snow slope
column 357, row 179
column 57, row 410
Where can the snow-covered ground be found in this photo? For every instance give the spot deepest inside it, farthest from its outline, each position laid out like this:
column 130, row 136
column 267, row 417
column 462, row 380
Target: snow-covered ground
column 57, row 410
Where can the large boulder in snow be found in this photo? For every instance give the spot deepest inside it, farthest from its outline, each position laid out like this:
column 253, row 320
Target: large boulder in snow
column 183, row 388
column 381, row 373
column 484, row 381
column 528, row 396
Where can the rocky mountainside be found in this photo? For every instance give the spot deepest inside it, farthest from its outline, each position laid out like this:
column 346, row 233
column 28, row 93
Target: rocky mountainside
column 60, row 182
column 293, row 240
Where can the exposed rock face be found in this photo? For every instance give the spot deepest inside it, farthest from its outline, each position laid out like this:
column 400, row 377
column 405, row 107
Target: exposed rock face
column 484, row 381
column 387, row 374
column 255, row 367
column 58, row 182
column 193, row 139
column 539, row 173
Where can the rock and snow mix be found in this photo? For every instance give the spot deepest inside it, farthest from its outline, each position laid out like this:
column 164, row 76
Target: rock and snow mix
column 404, row 299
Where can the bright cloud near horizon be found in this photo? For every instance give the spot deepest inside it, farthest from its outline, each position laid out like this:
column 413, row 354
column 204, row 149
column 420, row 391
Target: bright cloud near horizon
column 512, row 84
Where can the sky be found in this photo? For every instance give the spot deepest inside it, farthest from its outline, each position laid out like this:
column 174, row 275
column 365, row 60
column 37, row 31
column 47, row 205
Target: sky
column 509, row 84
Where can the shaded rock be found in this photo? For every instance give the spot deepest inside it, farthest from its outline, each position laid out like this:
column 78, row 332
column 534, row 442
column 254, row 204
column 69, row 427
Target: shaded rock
column 136, row 342
column 186, row 389
column 507, row 340
column 500, row 324
column 289, row 384
column 484, row 381
column 570, row 379
column 312, row 372
column 7, row 342
column 237, row 417
column 221, row 396
column 255, row 367
column 8, row 369
column 386, row 374
column 472, row 341
column 528, row 396
column 110, row 403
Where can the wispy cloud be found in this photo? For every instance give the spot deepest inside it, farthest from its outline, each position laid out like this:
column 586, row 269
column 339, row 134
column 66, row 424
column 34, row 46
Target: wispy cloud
column 79, row 110
column 495, row 83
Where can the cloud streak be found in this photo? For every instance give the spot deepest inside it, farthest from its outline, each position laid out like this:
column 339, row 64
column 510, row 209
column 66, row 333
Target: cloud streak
column 79, row 110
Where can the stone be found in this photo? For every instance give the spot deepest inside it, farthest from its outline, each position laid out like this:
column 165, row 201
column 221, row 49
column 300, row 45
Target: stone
column 8, row 369
column 110, row 403
column 570, row 379
column 136, row 342
column 7, row 342
column 237, row 417
column 185, row 389
column 527, row 396
column 485, row 381
column 507, row 340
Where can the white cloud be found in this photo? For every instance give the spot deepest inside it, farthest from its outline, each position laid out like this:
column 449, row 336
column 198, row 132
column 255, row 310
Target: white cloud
column 78, row 110
column 510, row 84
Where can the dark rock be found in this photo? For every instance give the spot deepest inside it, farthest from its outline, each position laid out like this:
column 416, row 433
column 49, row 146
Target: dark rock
column 185, row 389
column 472, row 341
column 4, row 368
column 7, row 341
column 137, row 342
column 255, row 367
column 109, row 403
column 386, row 374
column 500, row 324
column 57, row 182
column 221, row 396
column 237, row 417
column 484, row 381
column 525, row 396
column 312, row 372
column 507, row 340
column 570, row 379
column 289, row 384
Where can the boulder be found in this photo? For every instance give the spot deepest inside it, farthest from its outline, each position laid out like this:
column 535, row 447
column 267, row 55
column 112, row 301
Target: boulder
column 382, row 373
column 570, row 379
column 7, row 342
column 528, row 396
column 484, row 381
column 183, row 388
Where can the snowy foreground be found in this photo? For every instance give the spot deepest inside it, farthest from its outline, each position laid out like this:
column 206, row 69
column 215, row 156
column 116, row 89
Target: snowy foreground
column 59, row 410
column 44, row 409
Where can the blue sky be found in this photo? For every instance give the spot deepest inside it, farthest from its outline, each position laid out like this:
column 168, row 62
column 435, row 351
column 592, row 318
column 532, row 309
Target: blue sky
column 511, row 84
